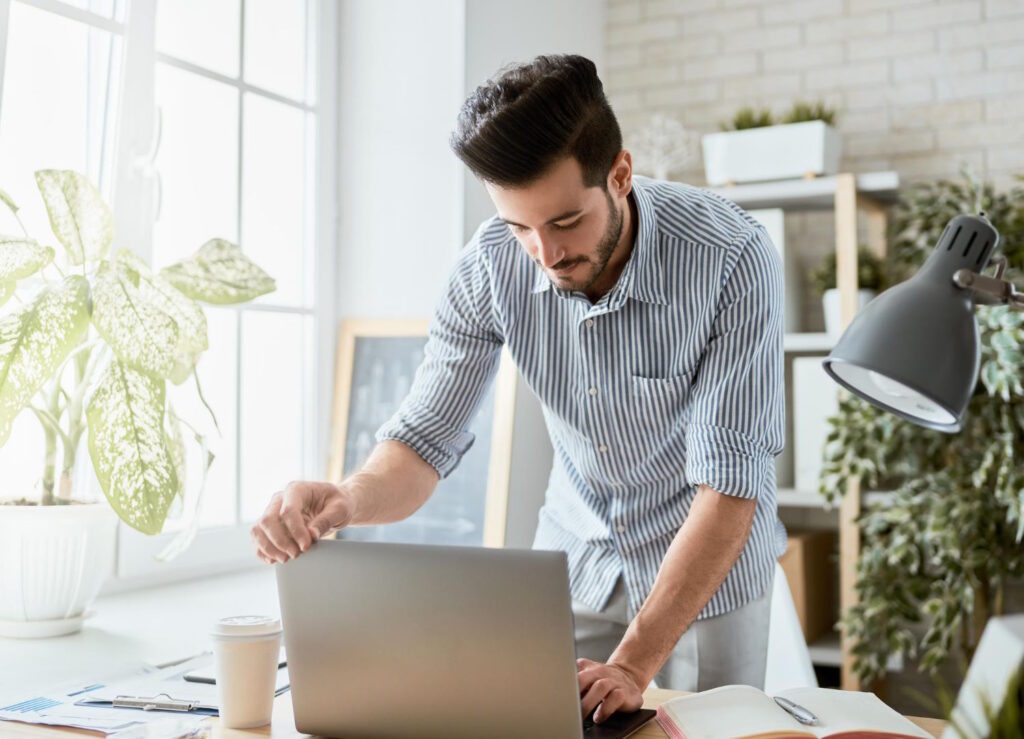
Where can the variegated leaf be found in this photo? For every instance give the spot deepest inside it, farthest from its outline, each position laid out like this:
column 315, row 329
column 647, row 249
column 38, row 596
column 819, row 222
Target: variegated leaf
column 191, row 505
column 8, row 201
column 132, row 261
column 219, row 273
column 80, row 219
column 128, row 447
column 21, row 257
column 35, row 340
column 139, row 331
column 176, row 447
column 187, row 313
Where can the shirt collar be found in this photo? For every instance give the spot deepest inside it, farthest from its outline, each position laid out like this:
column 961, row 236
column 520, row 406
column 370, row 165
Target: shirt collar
column 642, row 277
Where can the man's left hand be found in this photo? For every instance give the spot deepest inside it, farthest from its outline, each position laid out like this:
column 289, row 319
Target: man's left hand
column 609, row 685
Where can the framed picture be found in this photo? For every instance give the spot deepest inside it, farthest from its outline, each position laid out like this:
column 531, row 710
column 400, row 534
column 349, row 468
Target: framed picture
column 376, row 362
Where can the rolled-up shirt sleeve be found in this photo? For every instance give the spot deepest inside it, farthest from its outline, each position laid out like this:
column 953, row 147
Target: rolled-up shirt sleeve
column 460, row 360
column 737, row 411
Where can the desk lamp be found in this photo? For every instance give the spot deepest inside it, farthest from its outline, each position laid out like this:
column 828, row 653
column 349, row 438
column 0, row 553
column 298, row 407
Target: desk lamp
column 914, row 350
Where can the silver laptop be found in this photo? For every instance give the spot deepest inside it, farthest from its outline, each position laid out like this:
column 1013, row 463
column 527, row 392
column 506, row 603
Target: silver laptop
column 402, row 640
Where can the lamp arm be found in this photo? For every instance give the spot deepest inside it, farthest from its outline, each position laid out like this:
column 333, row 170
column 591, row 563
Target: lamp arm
column 990, row 290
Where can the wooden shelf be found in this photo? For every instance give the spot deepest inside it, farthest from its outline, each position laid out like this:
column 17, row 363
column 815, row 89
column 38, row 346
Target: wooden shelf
column 792, row 498
column 808, row 342
column 810, row 194
column 849, row 196
column 827, row 652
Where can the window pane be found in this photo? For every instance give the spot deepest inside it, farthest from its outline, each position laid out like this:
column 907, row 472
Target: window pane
column 271, row 436
column 275, row 46
column 217, row 372
column 114, row 9
column 197, row 162
column 58, row 108
column 273, row 195
column 203, row 32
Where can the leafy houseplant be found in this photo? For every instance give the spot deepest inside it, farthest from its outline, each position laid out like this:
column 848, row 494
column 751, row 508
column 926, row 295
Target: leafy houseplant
column 870, row 272
column 870, row 279
column 941, row 553
column 91, row 342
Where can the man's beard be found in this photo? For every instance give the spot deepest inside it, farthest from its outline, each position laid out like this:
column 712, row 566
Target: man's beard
column 603, row 252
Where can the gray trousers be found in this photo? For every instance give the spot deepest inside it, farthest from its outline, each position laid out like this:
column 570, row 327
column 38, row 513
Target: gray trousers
column 724, row 650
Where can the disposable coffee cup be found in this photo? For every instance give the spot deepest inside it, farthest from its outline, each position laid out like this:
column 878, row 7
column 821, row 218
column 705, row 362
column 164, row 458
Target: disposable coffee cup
column 245, row 658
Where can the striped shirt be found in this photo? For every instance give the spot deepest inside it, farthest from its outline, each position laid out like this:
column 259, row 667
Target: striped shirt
column 673, row 379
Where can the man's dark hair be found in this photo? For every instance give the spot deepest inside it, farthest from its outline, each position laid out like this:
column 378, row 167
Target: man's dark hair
column 518, row 124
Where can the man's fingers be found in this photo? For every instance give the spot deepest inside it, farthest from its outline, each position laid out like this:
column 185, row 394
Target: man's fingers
column 292, row 505
column 275, row 530
column 589, row 673
column 265, row 548
column 611, row 703
column 596, row 694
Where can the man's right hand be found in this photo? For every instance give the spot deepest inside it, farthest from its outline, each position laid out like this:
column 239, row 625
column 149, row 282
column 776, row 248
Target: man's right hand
column 296, row 517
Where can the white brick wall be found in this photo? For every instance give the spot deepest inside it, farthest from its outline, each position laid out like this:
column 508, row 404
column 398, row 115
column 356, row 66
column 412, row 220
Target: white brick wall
column 919, row 85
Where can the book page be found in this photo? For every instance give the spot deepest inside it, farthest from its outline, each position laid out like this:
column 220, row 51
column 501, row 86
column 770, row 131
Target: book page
column 845, row 712
column 733, row 711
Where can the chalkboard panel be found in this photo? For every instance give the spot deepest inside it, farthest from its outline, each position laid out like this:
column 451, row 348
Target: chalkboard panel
column 377, row 361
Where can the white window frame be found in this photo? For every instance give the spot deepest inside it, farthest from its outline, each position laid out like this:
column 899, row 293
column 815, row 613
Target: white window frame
column 133, row 201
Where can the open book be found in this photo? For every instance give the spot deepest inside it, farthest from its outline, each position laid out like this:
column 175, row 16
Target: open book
column 747, row 713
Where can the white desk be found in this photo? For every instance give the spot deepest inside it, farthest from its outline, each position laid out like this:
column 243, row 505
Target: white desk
column 153, row 625
column 161, row 624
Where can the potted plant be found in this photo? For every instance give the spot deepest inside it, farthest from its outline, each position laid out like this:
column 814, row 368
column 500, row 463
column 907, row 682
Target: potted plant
column 870, row 280
column 752, row 147
column 937, row 559
column 87, row 345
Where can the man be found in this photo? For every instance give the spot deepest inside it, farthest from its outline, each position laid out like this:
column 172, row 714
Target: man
column 646, row 317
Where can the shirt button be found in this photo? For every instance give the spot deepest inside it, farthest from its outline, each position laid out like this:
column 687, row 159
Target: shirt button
column 590, row 323
column 602, row 449
column 621, row 528
column 592, row 391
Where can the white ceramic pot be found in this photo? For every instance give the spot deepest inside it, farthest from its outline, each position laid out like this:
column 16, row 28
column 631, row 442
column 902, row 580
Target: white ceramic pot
column 53, row 561
column 833, row 309
column 771, row 153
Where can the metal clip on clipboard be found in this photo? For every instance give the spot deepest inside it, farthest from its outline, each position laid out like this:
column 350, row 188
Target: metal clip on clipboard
column 153, row 704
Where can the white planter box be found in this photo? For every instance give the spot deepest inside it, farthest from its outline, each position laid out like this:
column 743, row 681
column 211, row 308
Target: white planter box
column 771, row 153
column 53, row 561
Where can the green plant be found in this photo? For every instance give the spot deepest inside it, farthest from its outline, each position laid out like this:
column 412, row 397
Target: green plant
column 942, row 550
column 1003, row 721
column 818, row 111
column 1006, row 721
column 870, row 272
column 90, row 345
column 747, row 117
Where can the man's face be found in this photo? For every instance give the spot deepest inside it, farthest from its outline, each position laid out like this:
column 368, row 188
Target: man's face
column 568, row 229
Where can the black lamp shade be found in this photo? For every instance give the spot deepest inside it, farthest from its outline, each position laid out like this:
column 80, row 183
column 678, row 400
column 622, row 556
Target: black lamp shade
column 914, row 350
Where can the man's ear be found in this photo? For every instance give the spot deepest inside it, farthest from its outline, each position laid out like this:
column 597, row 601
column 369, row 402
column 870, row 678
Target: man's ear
column 620, row 178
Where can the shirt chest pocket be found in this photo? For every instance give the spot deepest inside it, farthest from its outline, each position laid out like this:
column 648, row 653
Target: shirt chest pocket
column 659, row 402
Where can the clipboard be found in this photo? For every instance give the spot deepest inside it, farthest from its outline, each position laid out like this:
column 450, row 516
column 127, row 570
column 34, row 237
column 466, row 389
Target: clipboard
column 162, row 702
column 167, row 690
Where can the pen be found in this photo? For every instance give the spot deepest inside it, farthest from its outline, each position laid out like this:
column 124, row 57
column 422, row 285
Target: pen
column 797, row 711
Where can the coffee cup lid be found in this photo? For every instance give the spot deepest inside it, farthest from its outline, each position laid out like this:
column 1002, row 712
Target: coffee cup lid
column 247, row 626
